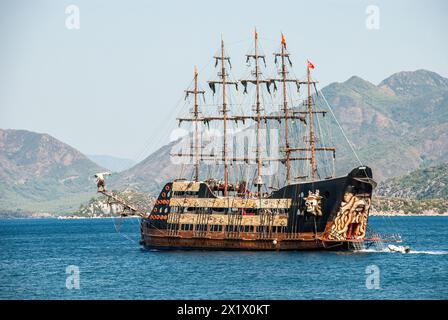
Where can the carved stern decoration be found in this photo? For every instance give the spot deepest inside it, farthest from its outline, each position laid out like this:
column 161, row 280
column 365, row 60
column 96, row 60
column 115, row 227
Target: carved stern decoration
column 313, row 203
column 351, row 219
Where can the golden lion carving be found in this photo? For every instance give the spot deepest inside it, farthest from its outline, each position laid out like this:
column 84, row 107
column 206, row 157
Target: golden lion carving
column 354, row 211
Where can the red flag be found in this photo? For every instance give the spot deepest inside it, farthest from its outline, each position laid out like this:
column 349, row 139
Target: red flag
column 283, row 40
column 256, row 34
column 310, row 65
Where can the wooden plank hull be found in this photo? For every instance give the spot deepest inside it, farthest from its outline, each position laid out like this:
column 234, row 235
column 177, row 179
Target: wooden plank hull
column 328, row 214
column 179, row 243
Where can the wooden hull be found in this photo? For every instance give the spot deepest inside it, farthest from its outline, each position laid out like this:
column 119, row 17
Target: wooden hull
column 322, row 215
column 207, row 243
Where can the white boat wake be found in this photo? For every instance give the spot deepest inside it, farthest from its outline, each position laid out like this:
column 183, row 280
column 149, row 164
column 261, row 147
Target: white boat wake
column 428, row 252
column 387, row 250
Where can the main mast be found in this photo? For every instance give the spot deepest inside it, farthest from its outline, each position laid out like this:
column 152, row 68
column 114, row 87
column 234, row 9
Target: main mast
column 224, row 81
column 224, row 112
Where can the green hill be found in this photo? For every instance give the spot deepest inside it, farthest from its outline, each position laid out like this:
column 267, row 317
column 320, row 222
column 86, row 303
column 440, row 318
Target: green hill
column 40, row 173
column 427, row 183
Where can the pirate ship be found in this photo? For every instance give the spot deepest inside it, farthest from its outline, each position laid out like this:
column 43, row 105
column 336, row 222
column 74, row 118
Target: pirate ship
column 293, row 207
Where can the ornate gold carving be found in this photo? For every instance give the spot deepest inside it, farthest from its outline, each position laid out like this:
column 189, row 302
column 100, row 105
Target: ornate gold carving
column 221, row 219
column 352, row 214
column 231, row 203
column 186, row 186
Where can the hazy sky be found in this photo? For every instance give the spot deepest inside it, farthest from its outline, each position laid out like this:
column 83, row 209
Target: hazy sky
column 111, row 86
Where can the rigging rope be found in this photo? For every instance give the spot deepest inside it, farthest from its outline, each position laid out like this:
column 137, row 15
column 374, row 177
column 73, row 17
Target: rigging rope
column 340, row 127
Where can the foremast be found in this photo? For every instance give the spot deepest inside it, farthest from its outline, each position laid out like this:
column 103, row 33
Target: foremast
column 309, row 112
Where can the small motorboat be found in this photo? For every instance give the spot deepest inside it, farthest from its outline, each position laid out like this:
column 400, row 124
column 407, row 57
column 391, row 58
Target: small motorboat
column 402, row 249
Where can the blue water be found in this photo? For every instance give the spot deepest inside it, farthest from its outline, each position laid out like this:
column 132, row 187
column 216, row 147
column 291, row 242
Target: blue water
column 34, row 255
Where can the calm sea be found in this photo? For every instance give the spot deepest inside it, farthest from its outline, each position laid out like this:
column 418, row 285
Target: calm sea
column 35, row 254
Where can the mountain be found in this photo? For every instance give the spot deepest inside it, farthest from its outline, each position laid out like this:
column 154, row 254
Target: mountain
column 41, row 173
column 397, row 126
column 112, row 163
column 150, row 174
column 427, row 183
column 414, row 84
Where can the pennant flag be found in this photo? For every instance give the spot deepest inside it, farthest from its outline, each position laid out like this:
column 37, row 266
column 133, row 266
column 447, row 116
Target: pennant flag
column 310, row 65
column 283, row 40
column 256, row 34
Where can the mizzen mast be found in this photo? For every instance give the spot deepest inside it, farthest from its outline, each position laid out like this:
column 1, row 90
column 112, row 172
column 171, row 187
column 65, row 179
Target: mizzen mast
column 195, row 113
